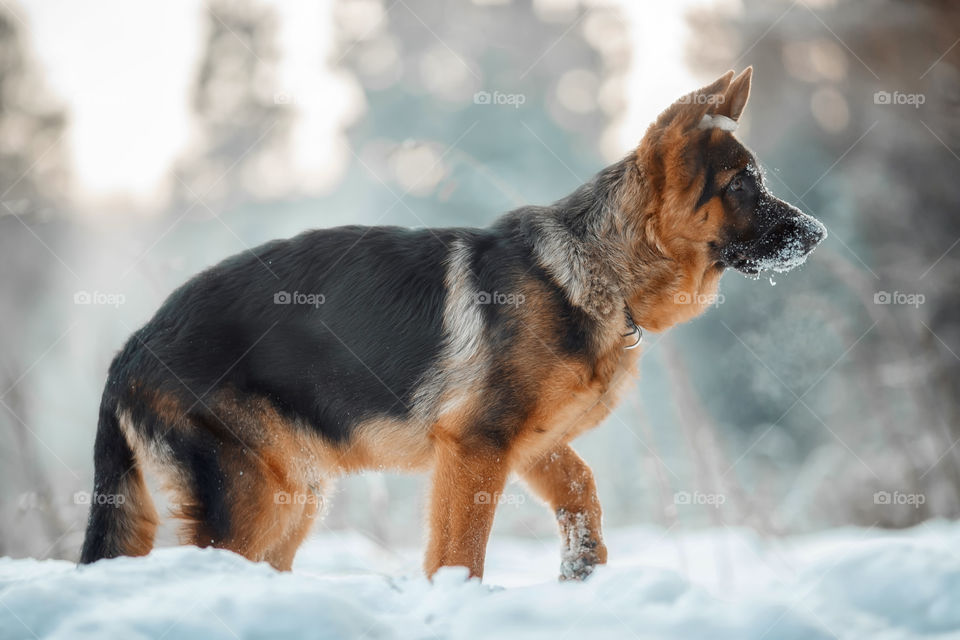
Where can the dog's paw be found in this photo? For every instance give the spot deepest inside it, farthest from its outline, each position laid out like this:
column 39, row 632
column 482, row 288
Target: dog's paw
column 582, row 546
column 579, row 565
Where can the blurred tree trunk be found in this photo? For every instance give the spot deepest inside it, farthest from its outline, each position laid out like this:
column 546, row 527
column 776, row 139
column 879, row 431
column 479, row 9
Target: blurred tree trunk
column 32, row 183
column 242, row 122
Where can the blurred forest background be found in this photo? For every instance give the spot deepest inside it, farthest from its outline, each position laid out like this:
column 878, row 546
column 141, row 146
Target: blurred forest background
column 820, row 398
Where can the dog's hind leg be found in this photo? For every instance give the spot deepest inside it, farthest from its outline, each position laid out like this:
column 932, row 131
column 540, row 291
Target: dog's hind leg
column 241, row 495
column 565, row 482
column 467, row 481
column 282, row 552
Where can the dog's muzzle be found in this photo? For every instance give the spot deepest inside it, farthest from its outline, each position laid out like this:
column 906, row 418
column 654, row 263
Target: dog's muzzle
column 788, row 238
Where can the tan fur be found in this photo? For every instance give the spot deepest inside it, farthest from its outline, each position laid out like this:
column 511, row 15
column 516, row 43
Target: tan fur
column 676, row 278
column 571, row 400
column 564, row 481
column 467, row 482
column 139, row 517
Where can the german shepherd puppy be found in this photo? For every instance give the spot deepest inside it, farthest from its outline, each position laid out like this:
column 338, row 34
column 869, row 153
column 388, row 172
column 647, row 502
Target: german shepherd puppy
column 471, row 352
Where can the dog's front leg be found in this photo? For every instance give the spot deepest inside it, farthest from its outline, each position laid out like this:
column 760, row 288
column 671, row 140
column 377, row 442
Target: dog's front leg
column 565, row 482
column 467, row 482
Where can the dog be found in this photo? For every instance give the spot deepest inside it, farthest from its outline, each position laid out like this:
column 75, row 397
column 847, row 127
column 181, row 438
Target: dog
column 473, row 353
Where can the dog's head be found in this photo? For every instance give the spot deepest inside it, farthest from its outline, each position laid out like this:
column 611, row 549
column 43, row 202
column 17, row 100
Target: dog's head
column 713, row 205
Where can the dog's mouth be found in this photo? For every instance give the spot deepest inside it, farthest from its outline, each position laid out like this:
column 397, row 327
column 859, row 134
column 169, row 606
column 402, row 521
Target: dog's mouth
column 783, row 246
column 744, row 264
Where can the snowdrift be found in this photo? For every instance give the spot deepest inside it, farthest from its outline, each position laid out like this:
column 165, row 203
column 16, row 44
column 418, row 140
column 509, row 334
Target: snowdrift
column 717, row 584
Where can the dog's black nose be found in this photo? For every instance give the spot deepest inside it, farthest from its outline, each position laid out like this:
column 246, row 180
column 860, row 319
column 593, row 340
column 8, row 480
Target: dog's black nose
column 805, row 228
column 813, row 231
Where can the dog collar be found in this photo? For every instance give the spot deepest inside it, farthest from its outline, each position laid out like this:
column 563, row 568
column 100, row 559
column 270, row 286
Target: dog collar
column 635, row 330
column 717, row 122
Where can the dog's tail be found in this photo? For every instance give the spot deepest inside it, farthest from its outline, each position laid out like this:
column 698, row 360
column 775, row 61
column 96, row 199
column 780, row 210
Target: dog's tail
column 123, row 519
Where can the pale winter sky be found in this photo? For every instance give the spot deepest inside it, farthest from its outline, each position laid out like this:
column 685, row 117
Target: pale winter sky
column 124, row 69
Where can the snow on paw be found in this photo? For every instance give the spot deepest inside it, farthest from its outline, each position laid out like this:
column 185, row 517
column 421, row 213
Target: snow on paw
column 582, row 549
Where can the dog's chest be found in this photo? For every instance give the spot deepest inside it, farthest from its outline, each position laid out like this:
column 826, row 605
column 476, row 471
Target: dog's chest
column 575, row 399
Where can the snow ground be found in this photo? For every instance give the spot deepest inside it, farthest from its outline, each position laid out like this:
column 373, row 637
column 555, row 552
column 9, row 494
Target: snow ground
column 717, row 584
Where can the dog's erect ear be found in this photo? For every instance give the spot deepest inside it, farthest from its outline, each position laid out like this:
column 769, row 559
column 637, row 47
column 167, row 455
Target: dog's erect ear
column 688, row 110
column 735, row 97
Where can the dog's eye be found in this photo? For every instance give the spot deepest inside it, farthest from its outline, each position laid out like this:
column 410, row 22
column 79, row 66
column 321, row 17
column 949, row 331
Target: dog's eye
column 736, row 184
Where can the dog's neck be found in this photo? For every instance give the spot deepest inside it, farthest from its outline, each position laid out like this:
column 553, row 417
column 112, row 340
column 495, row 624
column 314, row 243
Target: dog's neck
column 575, row 242
column 603, row 247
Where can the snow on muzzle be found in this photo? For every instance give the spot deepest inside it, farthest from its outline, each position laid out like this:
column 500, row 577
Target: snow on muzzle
column 788, row 237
